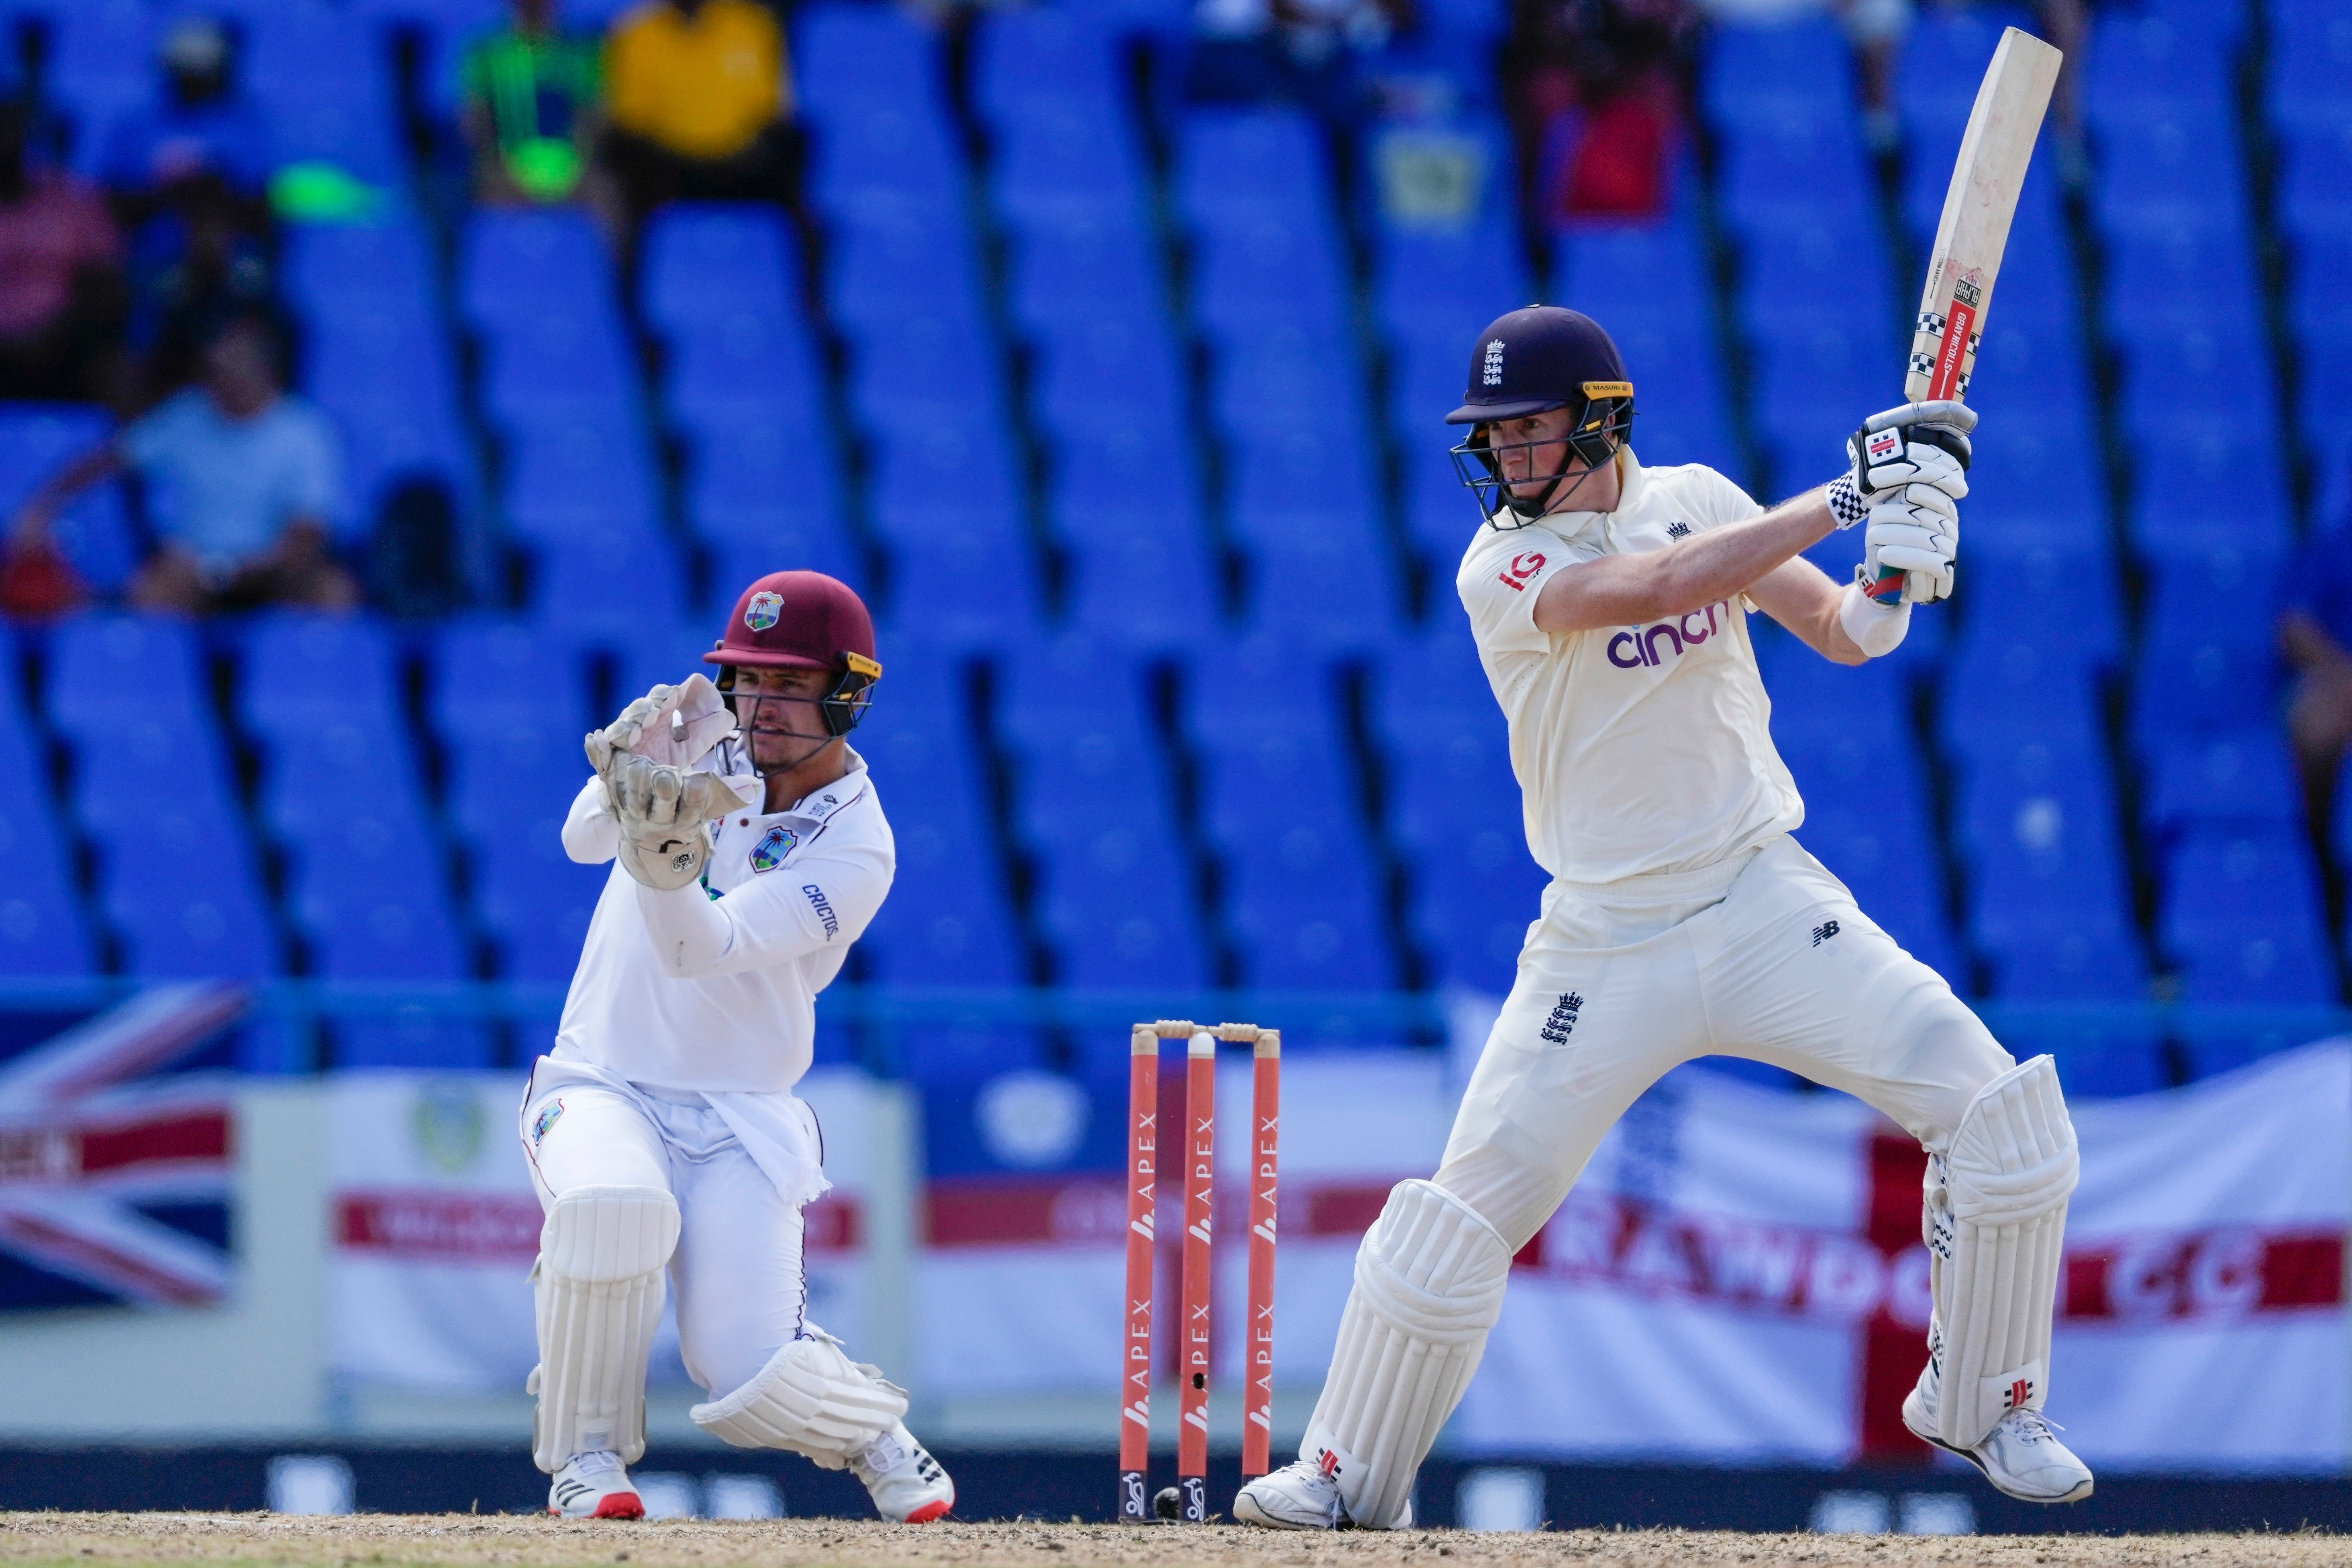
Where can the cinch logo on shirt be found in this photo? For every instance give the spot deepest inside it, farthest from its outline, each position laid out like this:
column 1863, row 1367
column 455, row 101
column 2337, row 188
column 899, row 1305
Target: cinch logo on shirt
column 1638, row 648
column 1522, row 569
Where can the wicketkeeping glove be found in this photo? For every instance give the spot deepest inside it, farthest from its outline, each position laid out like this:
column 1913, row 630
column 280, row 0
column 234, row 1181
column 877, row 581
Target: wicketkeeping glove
column 661, row 811
column 671, row 725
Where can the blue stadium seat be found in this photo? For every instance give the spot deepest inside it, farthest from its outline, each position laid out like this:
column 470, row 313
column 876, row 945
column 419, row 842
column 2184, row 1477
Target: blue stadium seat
column 1256, row 273
column 1444, row 282
column 2169, row 264
column 746, row 368
column 183, row 899
column 2214, row 588
column 2245, row 777
column 552, row 366
column 1249, row 163
column 1800, row 65
column 2004, row 681
column 1114, row 892
column 36, row 440
column 2310, row 60
column 1473, row 887
column 925, row 363
column 1091, row 366
column 599, row 580
column 1057, row 53
column 2020, row 589
column 948, row 920
column 570, row 473
column 2313, row 194
column 102, row 64
column 489, row 674
column 1286, row 379
column 511, row 261
column 303, row 672
column 877, row 262
column 534, row 901
column 2242, row 915
column 1620, row 273
column 1943, row 57
column 1278, row 806
column 849, row 54
column 711, row 261
column 2099, row 1060
column 2053, row 925
column 2186, row 158
column 956, row 471
column 1139, row 573
column 1815, row 269
column 41, row 928
column 762, row 470
column 1063, row 157
column 2201, row 685
column 107, row 670
column 2038, row 789
column 1781, row 168
column 885, row 156
column 2150, row 66
column 1071, row 270
column 337, row 266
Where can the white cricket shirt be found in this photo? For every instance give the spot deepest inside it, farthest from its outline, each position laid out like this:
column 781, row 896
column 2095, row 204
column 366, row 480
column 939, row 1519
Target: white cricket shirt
column 1638, row 749
column 795, row 888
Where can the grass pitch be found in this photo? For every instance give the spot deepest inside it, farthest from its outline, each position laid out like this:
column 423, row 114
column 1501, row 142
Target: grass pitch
column 365, row 1540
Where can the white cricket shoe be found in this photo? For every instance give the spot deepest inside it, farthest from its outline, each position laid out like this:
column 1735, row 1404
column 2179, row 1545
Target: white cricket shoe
column 907, row 1484
column 2021, row 1456
column 1299, row 1496
column 593, row 1485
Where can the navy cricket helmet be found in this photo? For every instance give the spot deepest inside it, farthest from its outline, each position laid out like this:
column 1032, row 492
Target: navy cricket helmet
column 1531, row 361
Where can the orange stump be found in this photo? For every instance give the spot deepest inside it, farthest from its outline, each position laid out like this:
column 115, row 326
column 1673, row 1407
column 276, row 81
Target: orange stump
column 1265, row 1160
column 1135, row 1387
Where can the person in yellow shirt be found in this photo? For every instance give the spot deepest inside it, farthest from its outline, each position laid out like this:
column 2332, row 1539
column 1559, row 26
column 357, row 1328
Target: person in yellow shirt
column 701, row 103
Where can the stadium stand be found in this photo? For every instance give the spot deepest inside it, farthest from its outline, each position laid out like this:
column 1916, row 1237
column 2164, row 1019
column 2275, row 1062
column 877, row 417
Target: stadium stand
column 1125, row 413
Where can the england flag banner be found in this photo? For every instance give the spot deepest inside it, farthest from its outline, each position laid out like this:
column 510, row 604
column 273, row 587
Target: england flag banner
column 436, row 1227
column 117, row 1135
column 1739, row 1278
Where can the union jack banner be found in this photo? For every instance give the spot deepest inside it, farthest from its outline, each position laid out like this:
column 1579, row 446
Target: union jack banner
column 116, row 1137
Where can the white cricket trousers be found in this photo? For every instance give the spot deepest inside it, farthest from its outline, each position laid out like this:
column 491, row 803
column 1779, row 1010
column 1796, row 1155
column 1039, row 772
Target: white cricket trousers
column 738, row 1272
column 1765, row 956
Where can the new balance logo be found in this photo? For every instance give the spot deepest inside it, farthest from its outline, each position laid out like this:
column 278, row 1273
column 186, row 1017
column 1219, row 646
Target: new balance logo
column 1677, row 530
column 1562, row 1021
column 1824, row 932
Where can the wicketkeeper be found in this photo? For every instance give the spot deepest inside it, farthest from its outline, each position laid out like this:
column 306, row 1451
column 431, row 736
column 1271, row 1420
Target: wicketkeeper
column 662, row 1132
column 1610, row 603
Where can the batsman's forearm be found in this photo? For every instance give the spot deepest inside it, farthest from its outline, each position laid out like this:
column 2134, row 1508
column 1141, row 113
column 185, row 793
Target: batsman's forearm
column 1629, row 590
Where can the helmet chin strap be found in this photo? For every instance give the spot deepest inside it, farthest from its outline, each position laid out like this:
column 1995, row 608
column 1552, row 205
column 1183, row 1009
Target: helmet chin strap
column 1542, row 505
column 751, row 753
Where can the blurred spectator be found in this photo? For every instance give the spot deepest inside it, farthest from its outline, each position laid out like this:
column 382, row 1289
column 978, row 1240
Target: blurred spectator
column 700, row 100
column 61, row 291
column 187, row 177
column 1600, row 93
column 533, row 107
column 202, row 131
column 2315, row 636
column 243, row 485
column 1306, row 51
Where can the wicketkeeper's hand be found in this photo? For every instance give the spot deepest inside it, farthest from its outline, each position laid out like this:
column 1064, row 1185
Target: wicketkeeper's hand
column 661, row 811
column 671, row 725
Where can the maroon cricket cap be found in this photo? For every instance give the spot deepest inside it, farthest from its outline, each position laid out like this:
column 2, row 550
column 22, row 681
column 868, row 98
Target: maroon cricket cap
column 798, row 620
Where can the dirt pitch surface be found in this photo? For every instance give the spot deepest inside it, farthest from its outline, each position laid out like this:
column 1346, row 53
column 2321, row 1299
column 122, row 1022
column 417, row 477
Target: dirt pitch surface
column 117, row 1540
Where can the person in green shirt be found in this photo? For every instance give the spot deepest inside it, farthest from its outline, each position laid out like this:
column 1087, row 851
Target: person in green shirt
column 533, row 97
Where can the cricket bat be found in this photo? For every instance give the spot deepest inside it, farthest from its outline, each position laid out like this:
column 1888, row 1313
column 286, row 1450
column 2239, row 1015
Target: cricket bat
column 1974, row 229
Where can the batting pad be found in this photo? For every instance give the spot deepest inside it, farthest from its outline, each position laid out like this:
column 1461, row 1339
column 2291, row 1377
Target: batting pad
column 1996, row 1218
column 599, row 1289
column 811, row 1399
column 1428, row 1288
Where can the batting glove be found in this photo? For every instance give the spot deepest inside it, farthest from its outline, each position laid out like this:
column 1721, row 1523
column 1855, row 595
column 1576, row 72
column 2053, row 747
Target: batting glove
column 670, row 725
column 1915, row 530
column 1919, row 443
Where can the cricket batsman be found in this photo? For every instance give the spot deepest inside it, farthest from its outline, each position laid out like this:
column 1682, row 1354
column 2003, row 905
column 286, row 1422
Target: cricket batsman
column 1610, row 605
column 663, row 1134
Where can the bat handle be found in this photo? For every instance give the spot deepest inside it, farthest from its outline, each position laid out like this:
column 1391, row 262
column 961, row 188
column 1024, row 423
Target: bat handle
column 1896, row 586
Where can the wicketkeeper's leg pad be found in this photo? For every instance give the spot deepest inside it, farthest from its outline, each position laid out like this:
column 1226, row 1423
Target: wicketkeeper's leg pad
column 810, row 1399
column 1995, row 1222
column 1428, row 1288
column 599, row 1289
